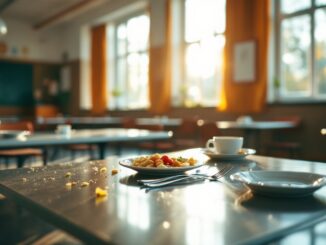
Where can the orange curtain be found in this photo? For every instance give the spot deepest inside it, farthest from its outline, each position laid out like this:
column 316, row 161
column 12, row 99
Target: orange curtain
column 245, row 20
column 98, row 70
column 160, row 68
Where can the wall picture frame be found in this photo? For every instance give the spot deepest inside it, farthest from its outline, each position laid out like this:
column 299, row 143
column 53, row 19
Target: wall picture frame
column 244, row 69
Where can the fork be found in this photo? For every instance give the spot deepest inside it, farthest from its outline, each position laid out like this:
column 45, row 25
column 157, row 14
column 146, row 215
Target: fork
column 170, row 180
column 158, row 180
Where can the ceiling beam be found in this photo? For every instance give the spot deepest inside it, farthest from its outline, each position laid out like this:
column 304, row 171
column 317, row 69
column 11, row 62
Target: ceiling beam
column 64, row 14
column 5, row 4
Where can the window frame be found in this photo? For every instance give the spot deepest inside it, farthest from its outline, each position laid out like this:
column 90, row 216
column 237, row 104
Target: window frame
column 277, row 63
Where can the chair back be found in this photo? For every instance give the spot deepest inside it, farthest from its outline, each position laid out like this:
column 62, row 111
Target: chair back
column 296, row 120
column 22, row 125
column 129, row 122
column 188, row 128
column 207, row 131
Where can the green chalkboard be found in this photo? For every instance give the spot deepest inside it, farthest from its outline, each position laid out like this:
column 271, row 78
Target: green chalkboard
column 16, row 84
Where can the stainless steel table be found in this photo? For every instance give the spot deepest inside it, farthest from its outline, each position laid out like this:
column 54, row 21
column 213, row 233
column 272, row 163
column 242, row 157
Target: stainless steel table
column 101, row 137
column 203, row 213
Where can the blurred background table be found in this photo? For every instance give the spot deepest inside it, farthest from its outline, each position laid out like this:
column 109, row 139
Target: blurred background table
column 100, row 137
column 252, row 130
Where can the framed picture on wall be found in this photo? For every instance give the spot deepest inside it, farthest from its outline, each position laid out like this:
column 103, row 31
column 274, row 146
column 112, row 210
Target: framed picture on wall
column 244, row 69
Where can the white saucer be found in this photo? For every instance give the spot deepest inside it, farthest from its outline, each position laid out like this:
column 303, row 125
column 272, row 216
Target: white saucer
column 280, row 183
column 242, row 154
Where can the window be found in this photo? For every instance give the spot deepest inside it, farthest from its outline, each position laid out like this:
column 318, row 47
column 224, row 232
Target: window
column 301, row 47
column 129, row 87
column 204, row 26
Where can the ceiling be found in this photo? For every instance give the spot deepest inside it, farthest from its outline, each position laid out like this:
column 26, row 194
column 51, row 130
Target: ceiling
column 41, row 13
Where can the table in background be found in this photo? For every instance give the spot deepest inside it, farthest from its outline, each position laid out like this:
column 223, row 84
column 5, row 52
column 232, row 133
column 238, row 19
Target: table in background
column 100, row 137
column 207, row 212
column 252, row 131
column 164, row 121
column 79, row 122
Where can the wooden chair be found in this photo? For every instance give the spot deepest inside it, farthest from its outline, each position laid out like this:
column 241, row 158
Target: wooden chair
column 21, row 154
column 187, row 134
column 155, row 146
column 129, row 122
column 284, row 142
column 207, row 131
column 81, row 148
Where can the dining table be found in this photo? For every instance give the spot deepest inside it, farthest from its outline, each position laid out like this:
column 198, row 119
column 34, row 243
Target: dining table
column 100, row 137
column 98, row 122
column 79, row 122
column 205, row 212
column 252, row 129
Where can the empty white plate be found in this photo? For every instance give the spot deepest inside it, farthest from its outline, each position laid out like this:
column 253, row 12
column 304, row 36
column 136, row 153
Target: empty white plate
column 280, row 183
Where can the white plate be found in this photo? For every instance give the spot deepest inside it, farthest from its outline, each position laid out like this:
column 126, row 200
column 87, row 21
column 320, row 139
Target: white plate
column 157, row 171
column 242, row 154
column 280, row 183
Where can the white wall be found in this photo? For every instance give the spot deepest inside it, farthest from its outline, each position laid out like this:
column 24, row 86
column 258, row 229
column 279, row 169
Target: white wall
column 46, row 45
column 50, row 44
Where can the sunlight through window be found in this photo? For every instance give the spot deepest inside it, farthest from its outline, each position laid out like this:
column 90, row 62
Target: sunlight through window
column 204, row 40
column 129, row 89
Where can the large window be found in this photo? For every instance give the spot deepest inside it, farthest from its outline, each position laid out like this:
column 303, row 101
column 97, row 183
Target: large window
column 301, row 49
column 204, row 26
column 129, row 86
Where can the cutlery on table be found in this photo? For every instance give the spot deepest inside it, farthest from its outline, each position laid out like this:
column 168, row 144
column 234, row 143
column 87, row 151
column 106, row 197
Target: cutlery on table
column 177, row 178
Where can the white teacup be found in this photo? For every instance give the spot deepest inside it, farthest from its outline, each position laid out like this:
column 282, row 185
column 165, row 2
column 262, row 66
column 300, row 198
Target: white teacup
column 225, row 144
column 64, row 129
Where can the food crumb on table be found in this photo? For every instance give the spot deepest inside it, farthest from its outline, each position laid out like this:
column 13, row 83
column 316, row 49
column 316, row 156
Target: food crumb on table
column 103, row 170
column 68, row 174
column 84, row 184
column 114, row 171
column 69, row 185
column 100, row 192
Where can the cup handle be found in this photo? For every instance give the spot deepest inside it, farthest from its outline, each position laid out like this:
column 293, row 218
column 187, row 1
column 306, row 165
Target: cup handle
column 210, row 144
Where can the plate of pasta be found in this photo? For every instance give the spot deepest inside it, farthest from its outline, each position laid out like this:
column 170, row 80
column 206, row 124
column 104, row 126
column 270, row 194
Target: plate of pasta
column 158, row 164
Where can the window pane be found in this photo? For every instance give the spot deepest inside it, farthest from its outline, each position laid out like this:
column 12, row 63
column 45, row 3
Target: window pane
column 204, row 39
column 320, row 50
column 203, row 17
column 121, row 39
column 203, row 69
column 130, row 90
column 295, row 56
column 290, row 6
column 138, row 31
column 119, row 99
column 137, row 81
column 321, row 2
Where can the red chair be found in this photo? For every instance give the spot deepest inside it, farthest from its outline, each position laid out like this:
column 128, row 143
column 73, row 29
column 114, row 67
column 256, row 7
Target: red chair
column 21, row 154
